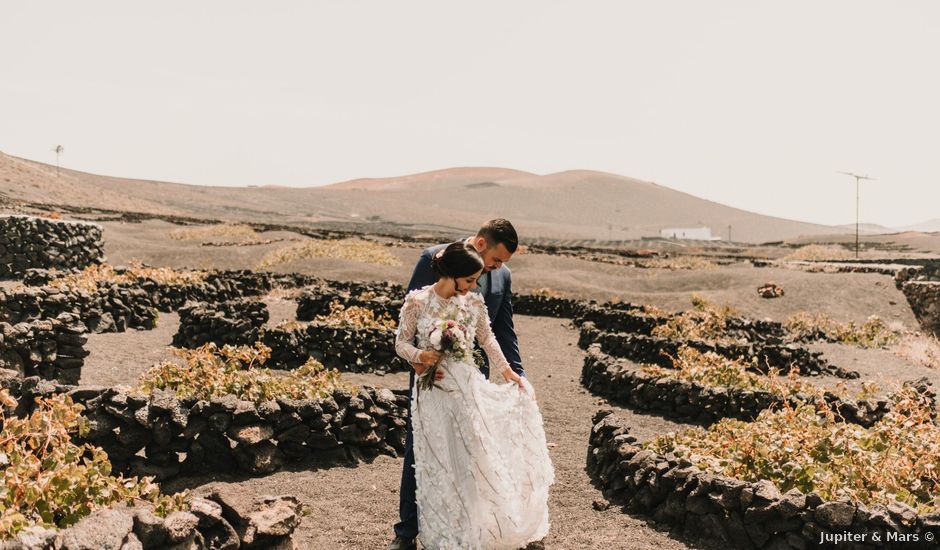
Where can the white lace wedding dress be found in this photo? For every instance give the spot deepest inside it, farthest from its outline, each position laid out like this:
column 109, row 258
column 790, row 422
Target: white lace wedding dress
column 481, row 460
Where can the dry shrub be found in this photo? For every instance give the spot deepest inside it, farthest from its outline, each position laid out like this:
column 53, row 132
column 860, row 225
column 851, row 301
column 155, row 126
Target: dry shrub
column 678, row 262
column 713, row 370
column 355, row 316
column 873, row 333
column 918, row 348
column 817, row 252
column 344, row 249
column 230, row 230
column 291, row 325
column 50, row 481
column 546, row 292
column 654, row 310
column 89, row 278
column 239, row 370
column 810, row 448
column 705, row 321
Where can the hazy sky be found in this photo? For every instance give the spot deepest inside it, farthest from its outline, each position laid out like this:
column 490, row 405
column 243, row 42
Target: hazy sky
column 749, row 103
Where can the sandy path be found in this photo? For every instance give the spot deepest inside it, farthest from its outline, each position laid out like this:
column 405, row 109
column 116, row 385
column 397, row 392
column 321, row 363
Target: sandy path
column 356, row 507
column 119, row 358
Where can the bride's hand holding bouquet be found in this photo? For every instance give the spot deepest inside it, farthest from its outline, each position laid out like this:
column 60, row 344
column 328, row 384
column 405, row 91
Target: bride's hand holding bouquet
column 447, row 337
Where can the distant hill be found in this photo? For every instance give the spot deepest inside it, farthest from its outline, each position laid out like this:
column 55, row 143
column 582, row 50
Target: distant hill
column 577, row 204
column 931, row 226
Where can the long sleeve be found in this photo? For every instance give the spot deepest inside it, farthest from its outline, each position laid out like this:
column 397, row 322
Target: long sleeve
column 407, row 326
column 505, row 331
column 486, row 339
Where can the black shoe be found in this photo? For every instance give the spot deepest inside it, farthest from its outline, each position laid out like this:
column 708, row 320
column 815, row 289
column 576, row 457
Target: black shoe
column 401, row 543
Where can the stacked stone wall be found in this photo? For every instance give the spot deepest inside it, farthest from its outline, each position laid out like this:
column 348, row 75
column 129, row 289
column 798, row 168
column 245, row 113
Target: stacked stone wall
column 52, row 349
column 31, row 242
column 148, row 434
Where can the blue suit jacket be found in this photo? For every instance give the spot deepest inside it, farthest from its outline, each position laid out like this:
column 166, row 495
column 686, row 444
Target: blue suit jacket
column 498, row 299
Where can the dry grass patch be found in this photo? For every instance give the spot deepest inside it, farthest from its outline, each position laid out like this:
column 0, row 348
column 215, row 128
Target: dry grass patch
column 918, row 348
column 547, row 292
column 229, row 230
column 677, row 263
column 92, row 276
column 344, row 249
column 355, row 316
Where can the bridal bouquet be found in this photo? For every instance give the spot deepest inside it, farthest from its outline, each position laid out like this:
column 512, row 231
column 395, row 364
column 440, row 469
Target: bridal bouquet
column 450, row 337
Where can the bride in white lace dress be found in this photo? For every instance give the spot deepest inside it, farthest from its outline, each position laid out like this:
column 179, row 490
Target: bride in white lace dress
column 481, row 460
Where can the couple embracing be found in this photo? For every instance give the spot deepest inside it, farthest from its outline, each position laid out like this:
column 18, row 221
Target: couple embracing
column 476, row 471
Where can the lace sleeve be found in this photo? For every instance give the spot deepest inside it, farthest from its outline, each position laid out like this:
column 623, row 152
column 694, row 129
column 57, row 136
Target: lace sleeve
column 486, row 339
column 407, row 325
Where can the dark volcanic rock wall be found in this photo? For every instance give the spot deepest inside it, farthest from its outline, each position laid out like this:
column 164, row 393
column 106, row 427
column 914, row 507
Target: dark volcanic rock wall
column 52, row 349
column 237, row 323
column 227, row 434
column 28, row 242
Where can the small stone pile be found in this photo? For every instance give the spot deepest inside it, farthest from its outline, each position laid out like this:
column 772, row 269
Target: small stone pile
column 52, row 349
column 736, row 513
column 238, row 322
column 770, row 290
column 223, row 519
column 28, row 242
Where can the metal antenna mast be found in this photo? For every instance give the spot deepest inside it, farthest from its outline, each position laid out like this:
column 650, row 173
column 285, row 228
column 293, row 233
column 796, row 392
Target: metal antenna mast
column 857, row 179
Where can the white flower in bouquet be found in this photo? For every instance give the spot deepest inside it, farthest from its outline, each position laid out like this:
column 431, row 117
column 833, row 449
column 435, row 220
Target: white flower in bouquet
column 452, row 338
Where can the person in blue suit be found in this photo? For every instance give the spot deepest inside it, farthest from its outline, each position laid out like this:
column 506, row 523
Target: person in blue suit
column 496, row 241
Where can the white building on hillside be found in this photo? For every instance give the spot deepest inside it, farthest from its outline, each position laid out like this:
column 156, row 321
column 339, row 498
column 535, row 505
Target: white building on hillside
column 693, row 233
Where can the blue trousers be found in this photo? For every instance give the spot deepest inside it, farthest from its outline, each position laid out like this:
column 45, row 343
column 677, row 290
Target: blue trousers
column 407, row 527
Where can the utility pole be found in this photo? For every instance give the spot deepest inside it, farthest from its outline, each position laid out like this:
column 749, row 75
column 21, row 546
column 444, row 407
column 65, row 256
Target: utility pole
column 729, row 232
column 58, row 151
column 857, row 179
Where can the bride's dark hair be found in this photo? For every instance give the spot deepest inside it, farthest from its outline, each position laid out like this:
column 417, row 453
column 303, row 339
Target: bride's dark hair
column 459, row 259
